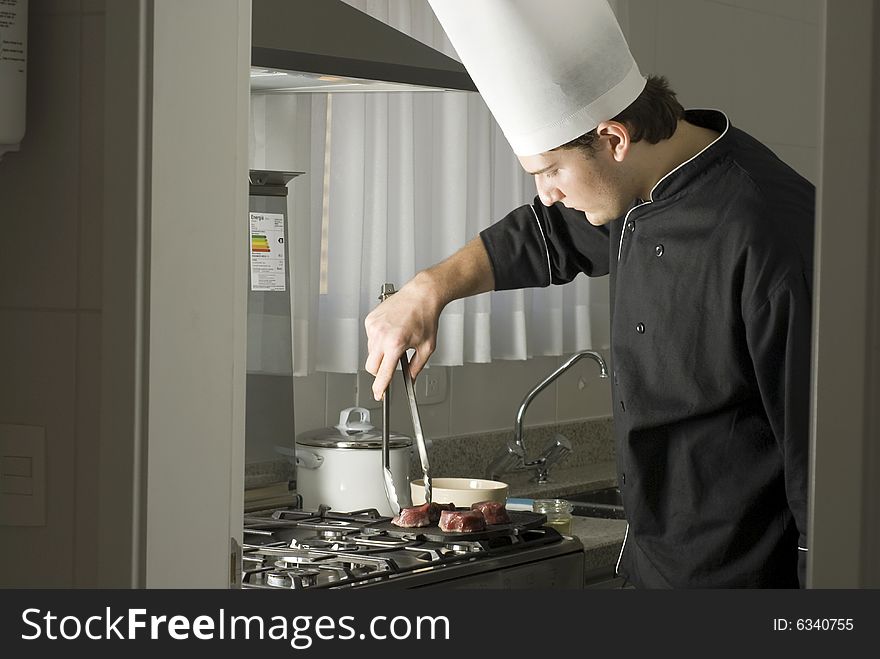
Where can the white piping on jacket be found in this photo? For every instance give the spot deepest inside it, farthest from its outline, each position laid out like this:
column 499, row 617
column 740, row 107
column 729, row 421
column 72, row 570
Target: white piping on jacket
column 620, row 555
column 546, row 249
column 623, row 230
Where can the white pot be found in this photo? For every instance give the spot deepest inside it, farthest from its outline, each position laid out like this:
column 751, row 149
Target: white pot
column 341, row 467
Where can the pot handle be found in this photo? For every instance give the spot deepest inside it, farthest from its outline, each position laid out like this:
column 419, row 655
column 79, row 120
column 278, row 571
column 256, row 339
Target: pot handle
column 308, row 460
column 346, row 425
column 301, row 457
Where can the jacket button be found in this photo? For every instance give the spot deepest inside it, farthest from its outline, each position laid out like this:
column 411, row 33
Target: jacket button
column 631, row 226
column 658, row 250
column 640, row 328
column 623, row 478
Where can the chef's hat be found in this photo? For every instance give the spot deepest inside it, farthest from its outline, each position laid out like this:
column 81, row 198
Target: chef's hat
column 549, row 70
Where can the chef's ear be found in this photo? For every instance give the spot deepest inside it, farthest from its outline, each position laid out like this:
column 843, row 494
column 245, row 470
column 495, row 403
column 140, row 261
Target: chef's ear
column 615, row 137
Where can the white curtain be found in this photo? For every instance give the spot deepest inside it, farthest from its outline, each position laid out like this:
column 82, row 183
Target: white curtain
column 397, row 181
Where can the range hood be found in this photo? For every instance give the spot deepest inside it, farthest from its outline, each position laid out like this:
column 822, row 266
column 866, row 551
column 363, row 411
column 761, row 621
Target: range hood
column 328, row 45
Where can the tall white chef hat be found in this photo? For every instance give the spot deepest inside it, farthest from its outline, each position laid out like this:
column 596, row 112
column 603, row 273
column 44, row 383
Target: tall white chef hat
column 549, row 70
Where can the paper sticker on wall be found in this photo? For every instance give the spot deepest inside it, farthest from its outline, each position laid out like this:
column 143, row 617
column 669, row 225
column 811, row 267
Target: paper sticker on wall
column 267, row 252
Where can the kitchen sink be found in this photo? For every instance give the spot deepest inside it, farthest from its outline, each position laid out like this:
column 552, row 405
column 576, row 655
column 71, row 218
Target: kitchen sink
column 605, row 502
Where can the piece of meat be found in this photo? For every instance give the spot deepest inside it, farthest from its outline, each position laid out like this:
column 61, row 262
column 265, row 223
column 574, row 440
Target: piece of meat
column 462, row 521
column 427, row 514
column 495, row 512
column 437, row 509
column 414, row 517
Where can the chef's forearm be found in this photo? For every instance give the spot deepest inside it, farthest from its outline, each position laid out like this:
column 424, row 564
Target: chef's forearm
column 467, row 272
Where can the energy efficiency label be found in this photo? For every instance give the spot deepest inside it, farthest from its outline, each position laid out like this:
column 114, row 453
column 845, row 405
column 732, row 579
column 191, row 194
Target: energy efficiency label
column 267, row 252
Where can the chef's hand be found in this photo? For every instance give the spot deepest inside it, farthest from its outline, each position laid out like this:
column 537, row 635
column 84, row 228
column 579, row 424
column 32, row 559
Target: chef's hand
column 406, row 319
column 409, row 318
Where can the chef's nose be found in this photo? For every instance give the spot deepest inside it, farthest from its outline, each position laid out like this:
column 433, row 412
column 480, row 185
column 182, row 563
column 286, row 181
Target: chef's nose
column 549, row 194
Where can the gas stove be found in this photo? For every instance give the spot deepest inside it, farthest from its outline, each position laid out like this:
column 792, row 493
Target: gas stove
column 294, row 549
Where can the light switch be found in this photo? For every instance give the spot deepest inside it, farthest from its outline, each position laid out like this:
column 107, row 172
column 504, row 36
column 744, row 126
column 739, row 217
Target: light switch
column 16, row 485
column 22, row 475
column 16, row 465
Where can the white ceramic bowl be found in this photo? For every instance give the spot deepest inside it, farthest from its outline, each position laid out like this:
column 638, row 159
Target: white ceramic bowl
column 461, row 491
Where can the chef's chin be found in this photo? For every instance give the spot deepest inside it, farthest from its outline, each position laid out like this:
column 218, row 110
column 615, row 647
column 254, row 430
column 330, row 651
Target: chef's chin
column 595, row 220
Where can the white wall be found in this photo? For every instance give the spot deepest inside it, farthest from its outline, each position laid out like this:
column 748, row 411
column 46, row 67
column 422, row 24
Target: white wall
column 757, row 60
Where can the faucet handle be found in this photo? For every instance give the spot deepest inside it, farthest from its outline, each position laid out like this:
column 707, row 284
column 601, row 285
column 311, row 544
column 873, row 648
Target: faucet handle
column 557, row 449
column 510, row 457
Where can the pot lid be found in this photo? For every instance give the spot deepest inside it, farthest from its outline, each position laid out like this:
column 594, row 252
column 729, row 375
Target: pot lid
column 352, row 433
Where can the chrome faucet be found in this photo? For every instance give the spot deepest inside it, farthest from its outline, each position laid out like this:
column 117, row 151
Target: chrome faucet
column 513, row 456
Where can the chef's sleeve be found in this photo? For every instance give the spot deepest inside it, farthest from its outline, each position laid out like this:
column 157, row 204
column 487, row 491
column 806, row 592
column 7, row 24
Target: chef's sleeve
column 536, row 245
column 778, row 334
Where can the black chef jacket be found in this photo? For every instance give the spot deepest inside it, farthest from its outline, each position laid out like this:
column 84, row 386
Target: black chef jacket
column 710, row 286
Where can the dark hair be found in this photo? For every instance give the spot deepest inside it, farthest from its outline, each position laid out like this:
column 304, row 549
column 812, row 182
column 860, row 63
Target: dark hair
column 653, row 116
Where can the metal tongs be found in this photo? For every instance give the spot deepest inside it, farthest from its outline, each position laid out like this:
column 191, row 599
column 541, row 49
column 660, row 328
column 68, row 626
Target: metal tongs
column 417, row 425
column 390, row 491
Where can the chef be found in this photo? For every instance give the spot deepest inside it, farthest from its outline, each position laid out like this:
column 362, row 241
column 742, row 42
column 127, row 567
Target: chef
column 708, row 240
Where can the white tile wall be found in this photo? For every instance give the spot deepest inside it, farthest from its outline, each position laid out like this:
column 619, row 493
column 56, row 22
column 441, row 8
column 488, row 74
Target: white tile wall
column 310, row 402
column 341, row 391
column 434, row 418
column 486, row 396
column 581, row 393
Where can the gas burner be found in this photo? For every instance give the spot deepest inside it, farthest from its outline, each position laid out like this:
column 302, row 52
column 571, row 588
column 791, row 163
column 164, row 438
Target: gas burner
column 380, row 539
column 292, row 562
column 293, row 578
column 369, row 533
column 332, row 544
column 331, row 528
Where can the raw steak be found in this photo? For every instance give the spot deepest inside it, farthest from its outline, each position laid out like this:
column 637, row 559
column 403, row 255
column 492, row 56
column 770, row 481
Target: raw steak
column 462, row 521
column 493, row 511
column 427, row 514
